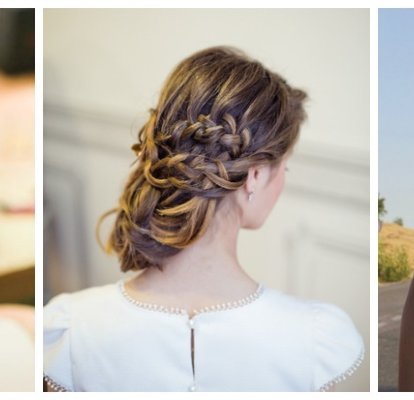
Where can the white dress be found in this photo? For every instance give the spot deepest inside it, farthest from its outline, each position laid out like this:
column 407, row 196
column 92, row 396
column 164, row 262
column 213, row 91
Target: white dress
column 100, row 339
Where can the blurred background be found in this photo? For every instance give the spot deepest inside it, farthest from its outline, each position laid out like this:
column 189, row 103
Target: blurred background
column 395, row 202
column 17, row 50
column 102, row 77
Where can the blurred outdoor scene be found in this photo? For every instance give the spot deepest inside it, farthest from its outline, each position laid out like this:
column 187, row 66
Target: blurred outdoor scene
column 17, row 103
column 395, row 210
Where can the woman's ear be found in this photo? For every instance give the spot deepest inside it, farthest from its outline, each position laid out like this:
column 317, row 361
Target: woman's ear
column 252, row 179
column 257, row 177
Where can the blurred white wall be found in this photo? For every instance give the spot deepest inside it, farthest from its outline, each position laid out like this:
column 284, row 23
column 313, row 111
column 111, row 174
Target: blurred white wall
column 103, row 70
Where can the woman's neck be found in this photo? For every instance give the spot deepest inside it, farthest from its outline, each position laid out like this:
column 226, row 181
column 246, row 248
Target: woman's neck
column 207, row 270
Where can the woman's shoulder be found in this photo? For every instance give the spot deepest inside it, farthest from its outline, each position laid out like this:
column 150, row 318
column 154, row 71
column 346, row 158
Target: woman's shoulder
column 88, row 295
column 63, row 316
column 335, row 346
column 90, row 308
column 85, row 300
column 338, row 346
column 286, row 306
column 325, row 317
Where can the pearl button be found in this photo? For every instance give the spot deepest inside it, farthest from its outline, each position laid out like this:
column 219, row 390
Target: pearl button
column 191, row 323
column 192, row 388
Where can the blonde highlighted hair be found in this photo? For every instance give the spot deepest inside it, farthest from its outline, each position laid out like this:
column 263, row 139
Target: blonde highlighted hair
column 219, row 113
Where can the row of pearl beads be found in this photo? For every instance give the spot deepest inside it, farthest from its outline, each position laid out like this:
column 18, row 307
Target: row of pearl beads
column 343, row 376
column 53, row 385
column 175, row 310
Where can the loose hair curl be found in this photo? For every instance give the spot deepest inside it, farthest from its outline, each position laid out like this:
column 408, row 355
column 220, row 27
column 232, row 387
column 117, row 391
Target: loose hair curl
column 219, row 113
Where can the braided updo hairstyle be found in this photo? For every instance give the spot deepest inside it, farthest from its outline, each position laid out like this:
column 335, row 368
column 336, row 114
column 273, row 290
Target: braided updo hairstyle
column 219, row 113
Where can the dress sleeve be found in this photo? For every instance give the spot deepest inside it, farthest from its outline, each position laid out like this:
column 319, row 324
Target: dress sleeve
column 57, row 358
column 338, row 347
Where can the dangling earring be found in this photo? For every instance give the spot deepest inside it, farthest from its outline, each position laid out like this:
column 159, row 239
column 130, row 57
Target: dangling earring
column 250, row 196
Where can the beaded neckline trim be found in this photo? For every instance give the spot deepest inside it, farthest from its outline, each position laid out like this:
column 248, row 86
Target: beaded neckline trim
column 344, row 375
column 174, row 310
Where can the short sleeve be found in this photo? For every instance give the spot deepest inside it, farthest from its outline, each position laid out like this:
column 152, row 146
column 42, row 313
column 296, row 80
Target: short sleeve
column 56, row 345
column 338, row 347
